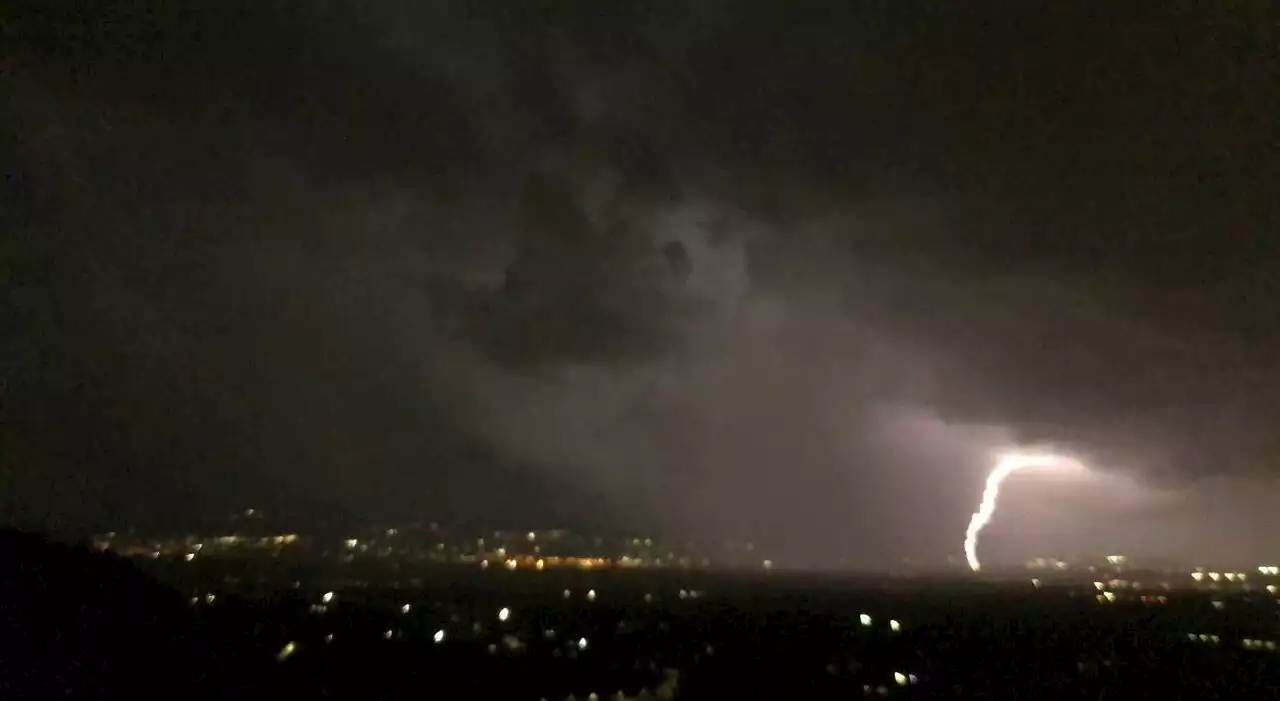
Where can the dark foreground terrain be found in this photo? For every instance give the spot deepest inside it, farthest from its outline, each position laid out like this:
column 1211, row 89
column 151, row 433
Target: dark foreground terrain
column 82, row 624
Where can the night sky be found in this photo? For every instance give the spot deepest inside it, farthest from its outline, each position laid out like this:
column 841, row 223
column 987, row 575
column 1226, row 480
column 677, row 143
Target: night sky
column 691, row 268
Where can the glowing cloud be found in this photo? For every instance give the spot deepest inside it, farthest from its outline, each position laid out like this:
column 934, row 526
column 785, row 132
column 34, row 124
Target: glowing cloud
column 1008, row 464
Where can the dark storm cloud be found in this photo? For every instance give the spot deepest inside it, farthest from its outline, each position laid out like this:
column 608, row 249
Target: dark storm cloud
column 789, row 272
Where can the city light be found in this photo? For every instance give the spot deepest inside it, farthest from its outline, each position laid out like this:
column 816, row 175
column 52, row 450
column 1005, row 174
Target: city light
column 582, row 643
column 504, row 613
column 864, row 619
column 439, row 636
column 286, row 651
column 328, row 597
column 1006, row 466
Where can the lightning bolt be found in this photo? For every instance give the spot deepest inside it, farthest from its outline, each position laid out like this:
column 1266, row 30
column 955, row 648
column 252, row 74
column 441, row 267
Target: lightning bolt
column 1006, row 466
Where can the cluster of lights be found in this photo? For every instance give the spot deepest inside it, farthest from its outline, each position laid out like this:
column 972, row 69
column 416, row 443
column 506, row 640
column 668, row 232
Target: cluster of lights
column 510, row 642
column 1246, row 643
column 1254, row 644
column 1199, row 576
column 1269, row 569
column 514, row 644
column 542, row 563
column 899, row 678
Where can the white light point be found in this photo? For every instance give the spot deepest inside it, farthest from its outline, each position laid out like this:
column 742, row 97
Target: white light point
column 1008, row 464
